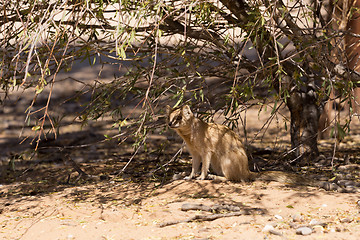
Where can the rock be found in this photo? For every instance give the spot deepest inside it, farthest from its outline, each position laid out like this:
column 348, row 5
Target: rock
column 297, row 217
column 345, row 183
column 351, row 189
column 329, row 186
column 278, row 217
column 275, row 232
column 304, row 231
column 177, row 176
column 315, row 222
column 318, row 229
column 268, row 228
column 70, row 236
column 345, row 220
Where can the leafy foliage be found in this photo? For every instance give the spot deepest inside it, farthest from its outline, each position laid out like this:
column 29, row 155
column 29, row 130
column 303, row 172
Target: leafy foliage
column 221, row 55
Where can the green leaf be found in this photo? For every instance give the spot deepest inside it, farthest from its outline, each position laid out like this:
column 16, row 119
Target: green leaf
column 274, row 108
column 36, row 128
column 121, row 52
column 39, row 89
column 341, row 131
column 107, row 137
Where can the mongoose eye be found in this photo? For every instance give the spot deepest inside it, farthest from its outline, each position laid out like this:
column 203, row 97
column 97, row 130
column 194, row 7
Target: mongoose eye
column 179, row 118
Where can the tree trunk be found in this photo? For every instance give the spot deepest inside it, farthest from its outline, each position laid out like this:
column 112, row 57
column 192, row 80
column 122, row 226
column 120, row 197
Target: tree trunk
column 353, row 51
column 305, row 113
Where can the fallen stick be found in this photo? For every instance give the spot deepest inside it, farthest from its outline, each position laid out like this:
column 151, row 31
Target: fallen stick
column 215, row 208
column 205, row 218
column 212, row 217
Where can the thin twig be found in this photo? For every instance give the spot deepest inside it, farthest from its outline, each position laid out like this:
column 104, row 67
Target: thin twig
column 170, row 161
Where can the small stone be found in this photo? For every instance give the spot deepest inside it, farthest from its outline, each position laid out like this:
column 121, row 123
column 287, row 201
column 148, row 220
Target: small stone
column 342, row 183
column 297, row 217
column 304, row 231
column 315, row 222
column 275, row 232
column 350, row 187
column 278, row 217
column 177, row 176
column 70, row 236
column 329, row 186
column 268, row 228
column 318, row 229
column 349, row 183
column 345, row 220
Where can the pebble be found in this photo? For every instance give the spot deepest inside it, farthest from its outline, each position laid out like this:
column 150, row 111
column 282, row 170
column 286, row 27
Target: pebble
column 345, row 183
column 177, row 176
column 318, row 229
column 70, row 236
column 304, row 231
column 345, row 220
column 350, row 188
column 315, row 222
column 268, row 228
column 297, row 217
column 328, row 186
column 278, row 217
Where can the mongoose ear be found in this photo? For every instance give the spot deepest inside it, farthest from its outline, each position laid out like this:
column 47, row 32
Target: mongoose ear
column 168, row 109
column 186, row 111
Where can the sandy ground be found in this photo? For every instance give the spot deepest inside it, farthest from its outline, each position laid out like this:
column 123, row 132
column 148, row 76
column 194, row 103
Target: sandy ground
column 121, row 210
column 37, row 201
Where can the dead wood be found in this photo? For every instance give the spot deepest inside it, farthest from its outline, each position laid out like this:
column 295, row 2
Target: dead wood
column 215, row 208
column 205, row 217
column 236, row 211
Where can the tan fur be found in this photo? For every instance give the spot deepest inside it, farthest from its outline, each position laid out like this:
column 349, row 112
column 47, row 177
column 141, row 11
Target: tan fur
column 220, row 148
column 211, row 144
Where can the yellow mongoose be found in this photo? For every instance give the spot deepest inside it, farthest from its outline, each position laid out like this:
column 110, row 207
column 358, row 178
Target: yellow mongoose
column 211, row 144
column 216, row 146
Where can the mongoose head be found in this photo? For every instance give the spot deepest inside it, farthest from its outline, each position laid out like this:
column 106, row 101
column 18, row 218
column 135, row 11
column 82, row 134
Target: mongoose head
column 179, row 117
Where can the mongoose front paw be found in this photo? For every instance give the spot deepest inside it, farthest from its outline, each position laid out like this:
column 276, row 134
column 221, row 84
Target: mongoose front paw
column 201, row 178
